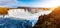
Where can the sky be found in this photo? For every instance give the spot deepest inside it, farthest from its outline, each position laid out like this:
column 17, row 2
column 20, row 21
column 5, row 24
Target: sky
column 29, row 3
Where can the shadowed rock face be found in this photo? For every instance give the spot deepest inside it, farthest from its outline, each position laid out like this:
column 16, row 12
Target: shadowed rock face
column 51, row 20
column 40, row 22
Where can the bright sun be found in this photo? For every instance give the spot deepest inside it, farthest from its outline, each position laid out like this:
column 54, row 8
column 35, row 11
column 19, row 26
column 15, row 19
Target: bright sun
column 55, row 3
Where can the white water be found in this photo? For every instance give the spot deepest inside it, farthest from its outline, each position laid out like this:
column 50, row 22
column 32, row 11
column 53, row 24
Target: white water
column 20, row 13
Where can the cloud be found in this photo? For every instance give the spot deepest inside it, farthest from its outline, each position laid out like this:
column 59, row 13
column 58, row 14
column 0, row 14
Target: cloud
column 46, row 3
column 16, row 3
column 8, row 3
column 29, row 3
column 5, row 2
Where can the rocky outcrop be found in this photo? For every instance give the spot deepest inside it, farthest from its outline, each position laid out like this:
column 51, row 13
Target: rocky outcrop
column 51, row 20
column 3, row 11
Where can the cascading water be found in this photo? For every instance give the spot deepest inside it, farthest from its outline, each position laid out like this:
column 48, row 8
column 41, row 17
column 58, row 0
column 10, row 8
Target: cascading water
column 21, row 14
